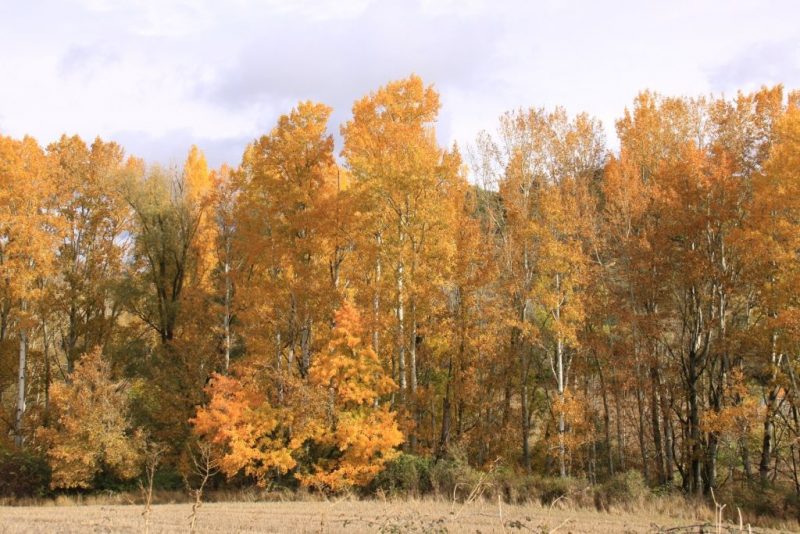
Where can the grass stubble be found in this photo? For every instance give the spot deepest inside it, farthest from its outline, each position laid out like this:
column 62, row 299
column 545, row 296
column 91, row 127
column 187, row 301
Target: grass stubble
column 249, row 512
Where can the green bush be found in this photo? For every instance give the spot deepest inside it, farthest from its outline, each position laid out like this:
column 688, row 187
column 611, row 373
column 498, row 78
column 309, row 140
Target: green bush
column 626, row 489
column 168, row 478
column 23, row 474
column 407, row 474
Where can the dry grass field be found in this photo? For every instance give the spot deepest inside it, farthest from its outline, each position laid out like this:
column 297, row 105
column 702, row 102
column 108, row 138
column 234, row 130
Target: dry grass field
column 355, row 516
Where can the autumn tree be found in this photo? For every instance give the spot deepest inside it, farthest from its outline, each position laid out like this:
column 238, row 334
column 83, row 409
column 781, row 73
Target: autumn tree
column 242, row 422
column 360, row 436
column 543, row 164
column 92, row 255
column 28, row 237
column 404, row 180
column 465, row 337
column 91, row 431
column 332, row 436
column 289, row 181
column 772, row 242
column 173, row 251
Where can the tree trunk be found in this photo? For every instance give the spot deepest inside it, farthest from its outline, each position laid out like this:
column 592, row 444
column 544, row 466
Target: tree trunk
column 23, row 362
column 305, row 347
column 227, row 318
column 642, row 437
column 656, row 423
column 526, row 427
column 669, row 440
column 47, row 377
column 562, row 466
column 412, row 348
column 444, row 436
column 279, row 363
column 620, row 434
column 401, row 331
column 696, row 485
column 606, row 418
column 376, row 299
column 771, row 405
column 769, row 430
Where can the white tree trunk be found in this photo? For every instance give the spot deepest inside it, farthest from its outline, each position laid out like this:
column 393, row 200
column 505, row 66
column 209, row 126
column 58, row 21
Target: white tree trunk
column 227, row 318
column 23, row 361
column 376, row 299
column 401, row 331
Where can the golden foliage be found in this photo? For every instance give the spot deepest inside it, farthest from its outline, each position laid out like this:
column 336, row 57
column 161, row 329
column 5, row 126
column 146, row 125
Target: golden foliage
column 91, row 431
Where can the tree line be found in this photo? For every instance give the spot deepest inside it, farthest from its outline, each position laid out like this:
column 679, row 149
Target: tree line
column 544, row 300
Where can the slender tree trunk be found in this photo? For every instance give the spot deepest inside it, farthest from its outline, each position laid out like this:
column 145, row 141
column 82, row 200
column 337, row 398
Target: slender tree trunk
column 591, row 467
column 771, row 405
column 620, row 433
column 4, row 311
column 669, row 440
column 642, row 437
column 711, row 462
column 444, row 436
column 227, row 318
column 562, row 453
column 290, row 355
column 696, row 446
column 376, row 299
column 47, row 377
column 23, row 362
column 401, row 331
column 292, row 337
column 305, row 346
column 606, row 418
column 656, row 423
column 279, row 362
column 769, row 430
column 72, row 339
column 713, row 438
column 526, row 427
column 412, row 348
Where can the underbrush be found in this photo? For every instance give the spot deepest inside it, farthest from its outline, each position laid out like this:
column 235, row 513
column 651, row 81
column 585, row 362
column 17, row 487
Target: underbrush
column 23, row 474
column 24, row 482
column 453, row 479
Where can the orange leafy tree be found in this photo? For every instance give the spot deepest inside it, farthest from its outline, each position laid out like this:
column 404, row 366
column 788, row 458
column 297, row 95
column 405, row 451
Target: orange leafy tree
column 334, row 435
column 249, row 434
column 360, row 435
column 91, row 430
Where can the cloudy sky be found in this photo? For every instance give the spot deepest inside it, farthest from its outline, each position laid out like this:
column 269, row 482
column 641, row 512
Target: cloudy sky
column 159, row 75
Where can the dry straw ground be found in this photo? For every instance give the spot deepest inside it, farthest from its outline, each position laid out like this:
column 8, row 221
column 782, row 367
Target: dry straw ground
column 359, row 516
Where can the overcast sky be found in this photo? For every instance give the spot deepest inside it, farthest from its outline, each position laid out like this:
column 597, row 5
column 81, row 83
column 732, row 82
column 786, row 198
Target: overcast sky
column 159, row 75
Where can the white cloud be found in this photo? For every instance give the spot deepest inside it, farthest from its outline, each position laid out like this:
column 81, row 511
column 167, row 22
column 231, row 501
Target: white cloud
column 159, row 75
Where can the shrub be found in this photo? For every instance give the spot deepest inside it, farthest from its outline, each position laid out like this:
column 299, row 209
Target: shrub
column 407, row 474
column 517, row 488
column 91, row 439
column 552, row 489
column 23, row 474
column 168, row 478
column 626, row 489
column 453, row 477
column 759, row 500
